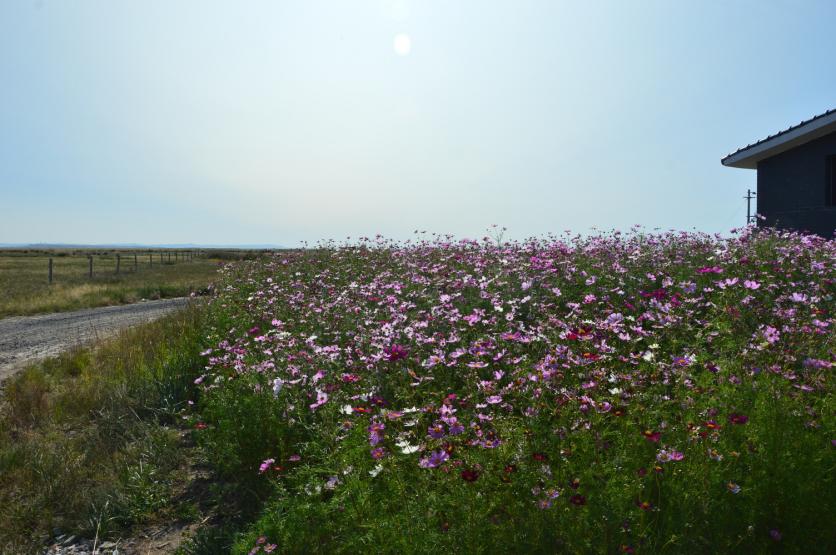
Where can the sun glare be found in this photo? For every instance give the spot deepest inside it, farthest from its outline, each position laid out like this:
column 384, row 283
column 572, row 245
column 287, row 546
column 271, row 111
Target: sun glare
column 402, row 44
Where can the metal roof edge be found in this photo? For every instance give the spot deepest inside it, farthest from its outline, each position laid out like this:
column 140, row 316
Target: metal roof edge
column 808, row 130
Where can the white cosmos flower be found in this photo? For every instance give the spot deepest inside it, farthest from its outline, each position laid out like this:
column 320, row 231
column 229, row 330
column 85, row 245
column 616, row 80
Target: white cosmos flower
column 406, row 448
column 278, row 383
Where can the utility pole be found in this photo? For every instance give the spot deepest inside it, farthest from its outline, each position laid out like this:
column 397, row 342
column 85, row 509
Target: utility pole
column 750, row 219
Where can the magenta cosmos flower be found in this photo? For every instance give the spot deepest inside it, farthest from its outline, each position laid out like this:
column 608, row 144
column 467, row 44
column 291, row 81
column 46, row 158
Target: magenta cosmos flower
column 736, row 418
column 395, row 352
column 376, row 433
column 436, row 458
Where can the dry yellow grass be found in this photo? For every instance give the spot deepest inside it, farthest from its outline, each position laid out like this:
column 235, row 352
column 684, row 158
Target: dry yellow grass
column 25, row 289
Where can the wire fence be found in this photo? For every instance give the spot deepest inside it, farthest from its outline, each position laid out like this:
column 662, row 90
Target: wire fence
column 126, row 262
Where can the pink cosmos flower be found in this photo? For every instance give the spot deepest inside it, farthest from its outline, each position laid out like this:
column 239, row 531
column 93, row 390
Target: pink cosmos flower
column 710, row 270
column 321, row 399
column 771, row 335
column 651, row 436
column 668, row 455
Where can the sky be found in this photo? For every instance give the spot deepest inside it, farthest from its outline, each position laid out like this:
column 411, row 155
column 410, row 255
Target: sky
column 172, row 121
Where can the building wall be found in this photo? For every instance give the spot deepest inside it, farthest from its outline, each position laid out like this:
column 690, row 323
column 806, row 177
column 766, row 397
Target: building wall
column 792, row 188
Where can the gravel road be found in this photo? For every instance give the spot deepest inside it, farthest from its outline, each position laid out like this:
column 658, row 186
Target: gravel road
column 25, row 339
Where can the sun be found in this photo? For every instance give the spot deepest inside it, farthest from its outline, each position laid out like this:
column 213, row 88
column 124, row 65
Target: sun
column 402, row 44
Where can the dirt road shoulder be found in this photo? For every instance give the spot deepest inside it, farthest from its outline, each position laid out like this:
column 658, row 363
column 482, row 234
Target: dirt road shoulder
column 25, row 339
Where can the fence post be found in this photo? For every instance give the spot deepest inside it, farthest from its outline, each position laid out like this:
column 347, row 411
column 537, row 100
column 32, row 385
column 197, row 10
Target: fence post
column 50, row 270
column 118, row 261
column 136, row 266
column 90, row 266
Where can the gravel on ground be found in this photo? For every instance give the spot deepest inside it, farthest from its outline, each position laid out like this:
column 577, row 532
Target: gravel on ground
column 26, row 339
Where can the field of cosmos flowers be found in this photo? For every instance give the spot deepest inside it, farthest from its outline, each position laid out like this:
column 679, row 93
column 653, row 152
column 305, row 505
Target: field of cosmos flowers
column 635, row 393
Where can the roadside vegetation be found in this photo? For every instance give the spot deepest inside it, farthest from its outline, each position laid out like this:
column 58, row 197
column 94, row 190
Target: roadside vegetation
column 619, row 393
column 91, row 442
column 25, row 288
column 632, row 393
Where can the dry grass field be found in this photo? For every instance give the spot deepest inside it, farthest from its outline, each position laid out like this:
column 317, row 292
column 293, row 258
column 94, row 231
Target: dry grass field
column 25, row 287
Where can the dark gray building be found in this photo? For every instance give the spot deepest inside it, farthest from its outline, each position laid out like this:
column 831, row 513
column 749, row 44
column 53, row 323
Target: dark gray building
column 796, row 175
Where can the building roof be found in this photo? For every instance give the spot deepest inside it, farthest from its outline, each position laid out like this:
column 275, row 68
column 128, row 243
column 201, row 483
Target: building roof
column 806, row 131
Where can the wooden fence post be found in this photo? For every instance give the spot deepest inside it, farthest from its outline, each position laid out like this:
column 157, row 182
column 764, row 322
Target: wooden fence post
column 136, row 266
column 90, row 266
column 118, row 261
column 50, row 270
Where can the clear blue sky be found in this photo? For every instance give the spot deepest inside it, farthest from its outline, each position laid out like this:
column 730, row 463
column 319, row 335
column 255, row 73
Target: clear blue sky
column 275, row 122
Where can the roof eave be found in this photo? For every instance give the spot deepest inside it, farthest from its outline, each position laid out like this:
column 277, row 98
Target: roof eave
column 750, row 156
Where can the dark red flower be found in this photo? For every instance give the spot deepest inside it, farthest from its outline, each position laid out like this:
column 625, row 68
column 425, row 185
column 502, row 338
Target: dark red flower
column 539, row 457
column 470, row 475
column 577, row 500
column 200, row 426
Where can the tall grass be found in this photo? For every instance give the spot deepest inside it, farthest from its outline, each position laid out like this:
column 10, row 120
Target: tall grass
column 26, row 290
column 89, row 440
